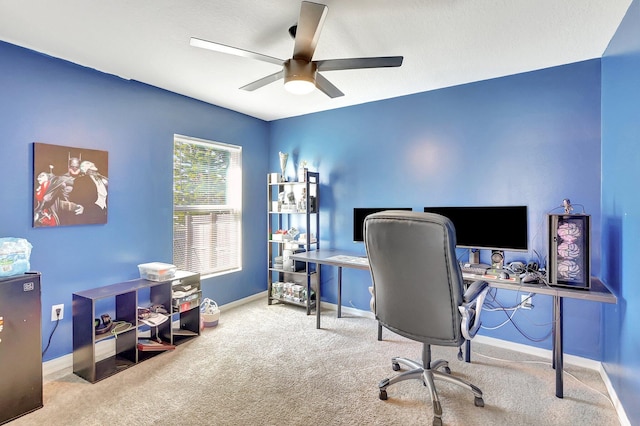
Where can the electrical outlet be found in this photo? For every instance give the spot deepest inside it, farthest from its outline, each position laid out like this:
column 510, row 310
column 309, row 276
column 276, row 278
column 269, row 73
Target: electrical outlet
column 525, row 301
column 55, row 317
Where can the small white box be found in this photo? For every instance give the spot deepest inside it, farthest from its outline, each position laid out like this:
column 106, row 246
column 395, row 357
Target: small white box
column 156, row 271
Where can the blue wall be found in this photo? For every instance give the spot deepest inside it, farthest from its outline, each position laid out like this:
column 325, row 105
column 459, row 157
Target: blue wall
column 621, row 208
column 52, row 101
column 531, row 139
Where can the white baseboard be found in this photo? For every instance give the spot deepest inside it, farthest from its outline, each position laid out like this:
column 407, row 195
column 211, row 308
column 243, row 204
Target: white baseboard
column 622, row 415
column 235, row 303
column 354, row 312
column 539, row 352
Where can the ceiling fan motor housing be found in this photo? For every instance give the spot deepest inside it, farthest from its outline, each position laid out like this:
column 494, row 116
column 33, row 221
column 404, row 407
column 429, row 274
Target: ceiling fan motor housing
column 299, row 69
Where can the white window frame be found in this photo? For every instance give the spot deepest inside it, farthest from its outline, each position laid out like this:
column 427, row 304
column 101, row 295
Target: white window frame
column 207, row 238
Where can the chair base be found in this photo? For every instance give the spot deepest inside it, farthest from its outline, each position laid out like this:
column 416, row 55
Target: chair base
column 438, row 369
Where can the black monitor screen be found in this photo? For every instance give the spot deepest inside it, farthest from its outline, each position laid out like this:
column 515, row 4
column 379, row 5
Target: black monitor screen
column 497, row 228
column 359, row 213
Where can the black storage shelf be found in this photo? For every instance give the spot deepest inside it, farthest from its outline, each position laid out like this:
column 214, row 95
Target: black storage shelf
column 304, row 215
column 125, row 297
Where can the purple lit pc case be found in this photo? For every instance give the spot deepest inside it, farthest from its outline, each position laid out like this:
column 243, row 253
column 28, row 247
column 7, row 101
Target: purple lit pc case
column 569, row 250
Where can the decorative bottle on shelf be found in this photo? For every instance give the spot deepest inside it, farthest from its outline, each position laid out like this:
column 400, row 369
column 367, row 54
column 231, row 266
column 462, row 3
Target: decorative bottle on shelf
column 302, row 171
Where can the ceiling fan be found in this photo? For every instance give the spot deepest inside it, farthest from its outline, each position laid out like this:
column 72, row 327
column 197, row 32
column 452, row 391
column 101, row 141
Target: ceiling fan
column 301, row 73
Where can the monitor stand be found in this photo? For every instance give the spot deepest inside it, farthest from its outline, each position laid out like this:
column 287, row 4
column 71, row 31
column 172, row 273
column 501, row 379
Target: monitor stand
column 474, row 256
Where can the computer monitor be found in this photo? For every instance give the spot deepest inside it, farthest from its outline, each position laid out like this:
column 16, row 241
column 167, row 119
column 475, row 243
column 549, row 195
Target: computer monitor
column 359, row 213
column 503, row 228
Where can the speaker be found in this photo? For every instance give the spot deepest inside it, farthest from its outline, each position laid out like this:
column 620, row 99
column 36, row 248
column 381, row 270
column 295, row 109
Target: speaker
column 497, row 259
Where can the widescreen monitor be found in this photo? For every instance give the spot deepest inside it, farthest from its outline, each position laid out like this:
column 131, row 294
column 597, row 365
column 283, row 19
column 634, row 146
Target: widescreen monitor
column 359, row 213
column 497, row 228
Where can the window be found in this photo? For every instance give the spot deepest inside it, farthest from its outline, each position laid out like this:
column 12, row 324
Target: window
column 207, row 206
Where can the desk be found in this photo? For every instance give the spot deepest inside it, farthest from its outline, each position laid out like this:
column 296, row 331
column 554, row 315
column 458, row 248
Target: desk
column 598, row 293
column 338, row 258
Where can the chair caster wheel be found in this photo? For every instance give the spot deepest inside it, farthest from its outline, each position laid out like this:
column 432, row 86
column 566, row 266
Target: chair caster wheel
column 395, row 366
column 479, row 402
column 383, row 395
column 447, row 370
column 437, row 421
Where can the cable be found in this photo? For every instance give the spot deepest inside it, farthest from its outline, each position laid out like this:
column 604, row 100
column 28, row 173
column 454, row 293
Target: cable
column 119, row 327
column 510, row 319
column 52, row 331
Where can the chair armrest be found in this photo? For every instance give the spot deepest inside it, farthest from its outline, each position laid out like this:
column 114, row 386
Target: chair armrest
column 472, row 307
column 474, row 290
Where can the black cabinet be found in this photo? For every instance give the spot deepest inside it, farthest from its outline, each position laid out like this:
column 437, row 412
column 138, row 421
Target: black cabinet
column 20, row 346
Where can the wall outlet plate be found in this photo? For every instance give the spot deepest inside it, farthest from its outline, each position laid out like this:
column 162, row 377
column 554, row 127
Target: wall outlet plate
column 54, row 317
column 525, row 301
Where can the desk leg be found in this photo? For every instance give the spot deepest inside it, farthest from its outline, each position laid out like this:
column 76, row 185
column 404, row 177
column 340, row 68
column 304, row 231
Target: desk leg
column 467, row 351
column 318, row 299
column 339, row 291
column 557, row 344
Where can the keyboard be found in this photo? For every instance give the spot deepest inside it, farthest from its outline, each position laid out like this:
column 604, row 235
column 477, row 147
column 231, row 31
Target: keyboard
column 474, row 268
column 359, row 260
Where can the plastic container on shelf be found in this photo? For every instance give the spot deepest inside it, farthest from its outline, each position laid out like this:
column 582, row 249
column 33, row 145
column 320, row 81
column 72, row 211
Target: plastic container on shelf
column 157, row 271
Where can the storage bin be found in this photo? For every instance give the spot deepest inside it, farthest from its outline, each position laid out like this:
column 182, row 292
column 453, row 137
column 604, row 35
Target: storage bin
column 156, row 271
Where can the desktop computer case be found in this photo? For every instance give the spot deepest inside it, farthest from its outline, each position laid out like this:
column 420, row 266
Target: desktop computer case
column 569, row 259
column 20, row 346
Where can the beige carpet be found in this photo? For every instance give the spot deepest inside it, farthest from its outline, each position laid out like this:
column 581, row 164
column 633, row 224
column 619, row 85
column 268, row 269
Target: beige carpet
column 269, row 365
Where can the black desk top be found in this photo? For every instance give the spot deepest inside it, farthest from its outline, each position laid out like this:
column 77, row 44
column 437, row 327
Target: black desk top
column 343, row 258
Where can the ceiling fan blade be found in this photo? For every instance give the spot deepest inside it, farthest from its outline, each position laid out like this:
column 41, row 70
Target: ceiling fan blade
column 312, row 16
column 358, row 63
column 217, row 47
column 327, row 87
column 263, row 81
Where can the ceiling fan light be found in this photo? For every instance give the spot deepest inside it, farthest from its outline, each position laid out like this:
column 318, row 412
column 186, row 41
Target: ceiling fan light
column 299, row 87
column 299, row 76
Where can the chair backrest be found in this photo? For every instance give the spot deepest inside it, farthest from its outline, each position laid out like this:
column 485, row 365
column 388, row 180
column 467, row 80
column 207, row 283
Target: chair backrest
column 417, row 281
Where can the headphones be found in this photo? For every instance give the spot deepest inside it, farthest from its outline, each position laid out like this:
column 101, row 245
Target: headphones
column 516, row 267
column 104, row 326
column 158, row 309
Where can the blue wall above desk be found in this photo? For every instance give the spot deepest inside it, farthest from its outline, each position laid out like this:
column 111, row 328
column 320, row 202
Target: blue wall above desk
column 529, row 139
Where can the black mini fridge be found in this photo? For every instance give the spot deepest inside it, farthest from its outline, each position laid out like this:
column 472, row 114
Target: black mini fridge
column 20, row 346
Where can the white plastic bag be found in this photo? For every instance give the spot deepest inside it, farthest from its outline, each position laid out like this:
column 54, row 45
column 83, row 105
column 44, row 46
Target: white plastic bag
column 209, row 313
column 14, row 256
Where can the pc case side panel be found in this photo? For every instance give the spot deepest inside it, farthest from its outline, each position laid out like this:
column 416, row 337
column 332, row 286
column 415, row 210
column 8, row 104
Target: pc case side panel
column 20, row 346
column 569, row 251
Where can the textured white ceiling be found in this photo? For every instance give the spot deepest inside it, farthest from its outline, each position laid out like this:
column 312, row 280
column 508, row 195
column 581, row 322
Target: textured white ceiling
column 444, row 43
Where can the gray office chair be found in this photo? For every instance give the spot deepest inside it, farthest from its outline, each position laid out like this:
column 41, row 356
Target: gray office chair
column 419, row 293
